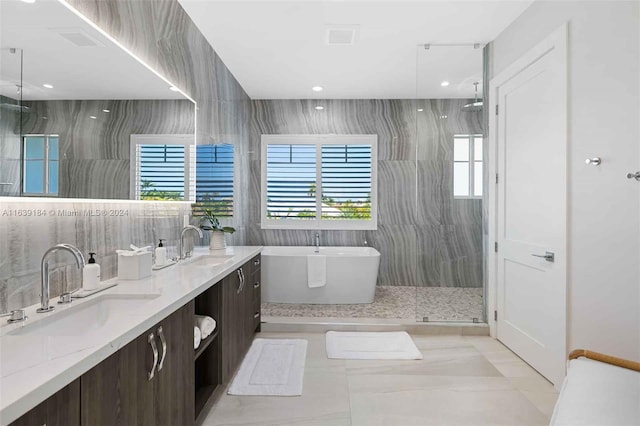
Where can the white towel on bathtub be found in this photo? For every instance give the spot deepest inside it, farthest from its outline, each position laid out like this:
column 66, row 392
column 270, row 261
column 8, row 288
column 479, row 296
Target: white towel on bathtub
column 316, row 270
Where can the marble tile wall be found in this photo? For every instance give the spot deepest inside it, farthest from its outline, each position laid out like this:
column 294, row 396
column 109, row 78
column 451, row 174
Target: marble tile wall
column 94, row 153
column 425, row 236
column 160, row 33
column 29, row 228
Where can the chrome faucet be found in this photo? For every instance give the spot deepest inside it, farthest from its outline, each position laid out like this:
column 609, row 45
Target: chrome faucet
column 317, row 250
column 187, row 228
column 45, row 288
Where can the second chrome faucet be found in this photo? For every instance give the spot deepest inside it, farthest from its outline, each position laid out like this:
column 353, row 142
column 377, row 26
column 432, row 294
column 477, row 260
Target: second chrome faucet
column 181, row 254
column 45, row 287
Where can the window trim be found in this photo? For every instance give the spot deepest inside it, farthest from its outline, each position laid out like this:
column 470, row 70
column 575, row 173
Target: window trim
column 46, row 192
column 318, row 223
column 164, row 139
column 471, row 139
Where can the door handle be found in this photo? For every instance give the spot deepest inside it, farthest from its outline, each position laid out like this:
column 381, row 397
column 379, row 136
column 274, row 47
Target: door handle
column 242, row 279
column 548, row 256
column 239, row 281
column 256, row 284
column 152, row 341
column 164, row 348
column 635, row 176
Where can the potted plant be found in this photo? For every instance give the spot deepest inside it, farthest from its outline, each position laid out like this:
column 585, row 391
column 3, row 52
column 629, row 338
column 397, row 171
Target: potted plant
column 210, row 222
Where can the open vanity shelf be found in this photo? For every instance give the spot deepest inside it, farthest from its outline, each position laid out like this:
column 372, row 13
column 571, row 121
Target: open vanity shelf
column 207, row 357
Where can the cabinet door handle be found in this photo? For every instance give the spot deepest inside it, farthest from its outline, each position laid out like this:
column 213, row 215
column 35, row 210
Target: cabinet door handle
column 243, row 280
column 164, row 348
column 256, row 315
column 256, row 284
column 239, row 281
column 152, row 341
column 256, row 262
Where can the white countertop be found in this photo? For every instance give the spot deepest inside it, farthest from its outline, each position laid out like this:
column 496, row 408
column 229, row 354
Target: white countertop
column 34, row 367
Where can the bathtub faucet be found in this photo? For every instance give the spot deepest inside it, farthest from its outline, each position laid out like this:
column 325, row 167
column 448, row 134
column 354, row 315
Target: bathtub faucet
column 317, row 242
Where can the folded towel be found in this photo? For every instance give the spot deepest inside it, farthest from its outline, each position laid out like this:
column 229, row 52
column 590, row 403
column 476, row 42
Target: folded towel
column 206, row 325
column 197, row 337
column 316, row 270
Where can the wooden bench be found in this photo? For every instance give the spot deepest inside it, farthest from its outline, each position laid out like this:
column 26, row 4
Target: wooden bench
column 599, row 390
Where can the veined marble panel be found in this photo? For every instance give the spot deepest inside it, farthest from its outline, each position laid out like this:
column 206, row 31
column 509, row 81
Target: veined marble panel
column 31, row 227
column 396, row 192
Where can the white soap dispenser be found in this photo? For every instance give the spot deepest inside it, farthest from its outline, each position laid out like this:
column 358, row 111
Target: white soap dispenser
column 91, row 274
column 161, row 255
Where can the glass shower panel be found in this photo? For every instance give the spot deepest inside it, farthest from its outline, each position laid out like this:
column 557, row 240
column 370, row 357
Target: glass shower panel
column 449, row 167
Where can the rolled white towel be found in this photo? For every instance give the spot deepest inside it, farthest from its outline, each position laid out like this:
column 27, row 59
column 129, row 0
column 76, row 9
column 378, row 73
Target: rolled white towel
column 206, row 325
column 197, row 337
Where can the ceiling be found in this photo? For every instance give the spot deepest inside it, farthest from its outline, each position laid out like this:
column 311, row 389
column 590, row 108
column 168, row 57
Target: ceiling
column 278, row 49
column 100, row 71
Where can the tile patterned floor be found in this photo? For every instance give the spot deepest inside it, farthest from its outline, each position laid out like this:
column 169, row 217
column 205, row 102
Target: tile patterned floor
column 461, row 381
column 395, row 302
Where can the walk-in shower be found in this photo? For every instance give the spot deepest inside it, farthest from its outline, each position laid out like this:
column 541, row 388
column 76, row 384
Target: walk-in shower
column 430, row 189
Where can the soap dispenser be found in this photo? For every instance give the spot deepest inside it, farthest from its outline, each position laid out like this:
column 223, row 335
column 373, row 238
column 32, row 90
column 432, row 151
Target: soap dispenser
column 161, row 255
column 91, row 274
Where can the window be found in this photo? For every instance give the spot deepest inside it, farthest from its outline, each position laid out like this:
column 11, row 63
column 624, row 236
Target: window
column 40, row 165
column 467, row 166
column 162, row 167
column 214, row 179
column 319, row 181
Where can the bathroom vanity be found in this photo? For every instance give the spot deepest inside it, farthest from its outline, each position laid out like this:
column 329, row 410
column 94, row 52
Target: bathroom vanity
column 137, row 365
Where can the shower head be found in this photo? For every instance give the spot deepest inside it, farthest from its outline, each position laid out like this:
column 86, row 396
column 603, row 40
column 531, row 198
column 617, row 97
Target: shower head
column 477, row 103
column 474, row 106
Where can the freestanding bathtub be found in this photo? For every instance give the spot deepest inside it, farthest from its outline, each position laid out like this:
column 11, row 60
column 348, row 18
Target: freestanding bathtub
column 352, row 273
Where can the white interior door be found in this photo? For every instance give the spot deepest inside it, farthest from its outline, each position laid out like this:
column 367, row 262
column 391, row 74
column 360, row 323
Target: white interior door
column 531, row 142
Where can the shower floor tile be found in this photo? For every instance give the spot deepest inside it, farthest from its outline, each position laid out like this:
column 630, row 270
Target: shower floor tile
column 395, row 302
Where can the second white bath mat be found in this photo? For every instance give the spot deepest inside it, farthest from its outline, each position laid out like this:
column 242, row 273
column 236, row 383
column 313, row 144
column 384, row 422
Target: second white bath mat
column 272, row 367
column 364, row 345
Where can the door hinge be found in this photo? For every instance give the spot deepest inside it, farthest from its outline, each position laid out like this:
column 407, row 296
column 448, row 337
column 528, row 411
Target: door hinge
column 495, row 246
column 496, row 109
column 496, row 178
column 495, row 315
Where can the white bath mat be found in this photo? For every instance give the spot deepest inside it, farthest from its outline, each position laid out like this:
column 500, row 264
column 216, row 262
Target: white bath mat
column 271, row 367
column 362, row 345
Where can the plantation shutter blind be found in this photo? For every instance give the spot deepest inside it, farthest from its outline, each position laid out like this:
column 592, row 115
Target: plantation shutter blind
column 346, row 181
column 214, row 179
column 160, row 171
column 291, row 181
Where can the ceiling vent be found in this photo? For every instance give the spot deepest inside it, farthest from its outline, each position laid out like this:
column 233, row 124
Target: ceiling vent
column 341, row 36
column 78, row 37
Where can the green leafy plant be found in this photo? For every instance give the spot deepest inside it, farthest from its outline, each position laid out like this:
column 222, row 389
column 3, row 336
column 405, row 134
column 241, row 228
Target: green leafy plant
column 209, row 222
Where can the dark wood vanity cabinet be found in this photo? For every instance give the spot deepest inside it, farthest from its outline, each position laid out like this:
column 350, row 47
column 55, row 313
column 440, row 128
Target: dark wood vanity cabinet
column 127, row 389
column 61, row 409
column 240, row 315
column 158, row 378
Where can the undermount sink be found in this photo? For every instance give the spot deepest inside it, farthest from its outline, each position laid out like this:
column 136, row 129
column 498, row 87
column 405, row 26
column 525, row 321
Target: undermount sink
column 208, row 260
column 84, row 317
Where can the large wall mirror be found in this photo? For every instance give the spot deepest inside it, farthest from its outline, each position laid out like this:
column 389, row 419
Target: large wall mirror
column 81, row 118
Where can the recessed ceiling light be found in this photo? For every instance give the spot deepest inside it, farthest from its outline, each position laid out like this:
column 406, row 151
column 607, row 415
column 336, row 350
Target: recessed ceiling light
column 317, row 88
column 48, row 86
column 420, row 109
column 106, row 110
column 444, row 83
column 28, row 1
column 319, row 107
column 93, row 117
column 173, row 88
column 444, row 116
